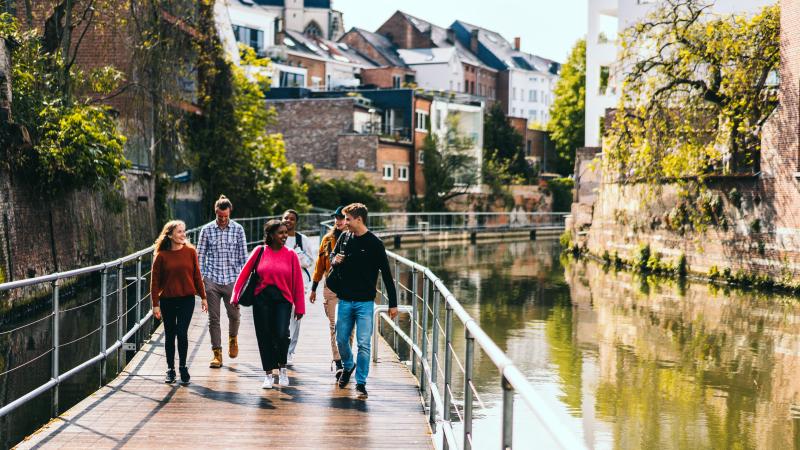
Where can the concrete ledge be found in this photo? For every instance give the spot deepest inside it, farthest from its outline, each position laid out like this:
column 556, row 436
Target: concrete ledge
column 470, row 236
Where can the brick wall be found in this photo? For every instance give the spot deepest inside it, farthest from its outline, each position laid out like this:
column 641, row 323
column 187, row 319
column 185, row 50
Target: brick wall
column 763, row 235
column 403, row 34
column 398, row 155
column 315, row 68
column 383, row 77
column 418, row 177
column 355, row 40
column 353, row 148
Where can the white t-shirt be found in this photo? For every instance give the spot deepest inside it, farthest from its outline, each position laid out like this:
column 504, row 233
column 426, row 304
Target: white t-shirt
column 305, row 257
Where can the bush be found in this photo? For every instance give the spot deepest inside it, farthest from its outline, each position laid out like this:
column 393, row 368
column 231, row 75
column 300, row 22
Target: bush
column 329, row 194
column 561, row 189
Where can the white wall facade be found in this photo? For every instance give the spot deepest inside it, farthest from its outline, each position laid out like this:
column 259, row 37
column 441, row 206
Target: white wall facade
column 296, row 18
column 440, row 76
column 470, row 125
column 607, row 19
column 254, row 18
column 530, row 95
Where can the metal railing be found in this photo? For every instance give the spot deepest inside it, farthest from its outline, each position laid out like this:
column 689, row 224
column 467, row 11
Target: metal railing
column 129, row 316
column 431, row 340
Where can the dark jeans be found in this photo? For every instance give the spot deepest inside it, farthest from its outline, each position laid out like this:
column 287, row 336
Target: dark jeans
column 271, row 318
column 176, row 312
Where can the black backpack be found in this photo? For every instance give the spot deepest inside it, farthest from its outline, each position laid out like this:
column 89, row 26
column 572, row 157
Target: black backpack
column 334, row 280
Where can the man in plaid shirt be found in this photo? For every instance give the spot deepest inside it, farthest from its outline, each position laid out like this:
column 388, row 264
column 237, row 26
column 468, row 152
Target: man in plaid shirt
column 222, row 250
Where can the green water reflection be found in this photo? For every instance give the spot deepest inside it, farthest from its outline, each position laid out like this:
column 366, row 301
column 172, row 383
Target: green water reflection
column 629, row 363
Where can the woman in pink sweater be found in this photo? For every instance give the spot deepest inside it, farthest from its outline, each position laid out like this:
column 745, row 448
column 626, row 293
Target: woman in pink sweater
column 280, row 287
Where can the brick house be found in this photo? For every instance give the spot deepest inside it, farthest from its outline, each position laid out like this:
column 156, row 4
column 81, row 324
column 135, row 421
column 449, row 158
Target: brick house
column 392, row 71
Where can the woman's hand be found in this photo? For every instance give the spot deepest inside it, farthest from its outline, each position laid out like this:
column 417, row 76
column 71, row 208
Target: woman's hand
column 298, row 316
column 157, row 312
column 312, row 297
column 204, row 305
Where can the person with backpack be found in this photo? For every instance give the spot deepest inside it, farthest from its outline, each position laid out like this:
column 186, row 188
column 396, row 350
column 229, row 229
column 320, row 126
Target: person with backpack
column 301, row 245
column 321, row 269
column 278, row 293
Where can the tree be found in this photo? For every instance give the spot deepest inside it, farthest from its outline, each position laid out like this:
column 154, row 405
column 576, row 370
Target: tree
column 568, row 112
column 696, row 94
column 449, row 168
column 339, row 192
column 503, row 146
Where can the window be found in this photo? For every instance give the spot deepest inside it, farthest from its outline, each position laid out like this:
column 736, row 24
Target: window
column 361, row 163
column 513, row 93
column 250, row 36
column 313, row 30
column 466, row 86
column 421, row 157
column 532, row 95
column 604, row 74
column 534, row 115
column 388, row 172
column 422, row 121
column 402, row 173
column 513, row 111
column 396, row 81
column 528, row 150
column 288, row 79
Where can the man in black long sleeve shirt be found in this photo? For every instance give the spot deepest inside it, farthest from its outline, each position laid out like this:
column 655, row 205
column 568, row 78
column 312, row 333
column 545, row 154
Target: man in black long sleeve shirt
column 359, row 257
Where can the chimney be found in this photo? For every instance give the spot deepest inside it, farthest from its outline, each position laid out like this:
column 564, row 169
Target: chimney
column 516, row 43
column 473, row 41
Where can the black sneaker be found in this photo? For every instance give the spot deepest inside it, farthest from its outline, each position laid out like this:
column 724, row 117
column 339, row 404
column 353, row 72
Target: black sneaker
column 362, row 390
column 339, row 369
column 184, row 375
column 170, row 378
column 344, row 378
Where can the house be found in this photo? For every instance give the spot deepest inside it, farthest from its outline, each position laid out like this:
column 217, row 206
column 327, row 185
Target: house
column 437, row 69
column 391, row 70
column 607, row 20
column 525, row 82
column 311, row 17
column 405, row 31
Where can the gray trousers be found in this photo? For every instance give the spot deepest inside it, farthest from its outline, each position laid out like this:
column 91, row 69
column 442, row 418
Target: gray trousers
column 217, row 293
column 294, row 332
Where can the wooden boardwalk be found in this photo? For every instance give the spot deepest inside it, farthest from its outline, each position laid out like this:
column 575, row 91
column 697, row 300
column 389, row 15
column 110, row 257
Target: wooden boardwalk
column 227, row 408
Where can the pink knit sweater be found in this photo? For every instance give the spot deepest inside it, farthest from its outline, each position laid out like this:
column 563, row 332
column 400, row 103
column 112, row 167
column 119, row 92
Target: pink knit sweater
column 281, row 269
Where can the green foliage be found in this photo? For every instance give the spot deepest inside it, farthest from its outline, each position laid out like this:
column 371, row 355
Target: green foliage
column 568, row 111
column 561, row 189
column 735, row 198
column 697, row 93
column 503, row 148
column 74, row 144
column 340, row 192
column 682, row 268
column 566, row 239
column 230, row 148
column 449, row 168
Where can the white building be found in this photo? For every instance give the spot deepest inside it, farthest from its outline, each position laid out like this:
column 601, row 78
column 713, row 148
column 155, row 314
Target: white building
column 531, row 94
column 470, row 124
column 607, row 20
column 312, row 17
column 438, row 69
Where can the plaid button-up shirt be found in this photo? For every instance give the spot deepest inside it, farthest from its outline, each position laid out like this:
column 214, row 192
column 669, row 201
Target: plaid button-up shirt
column 222, row 252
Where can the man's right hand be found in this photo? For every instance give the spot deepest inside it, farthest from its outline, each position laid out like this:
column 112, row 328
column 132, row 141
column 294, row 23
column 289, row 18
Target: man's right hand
column 157, row 312
column 338, row 259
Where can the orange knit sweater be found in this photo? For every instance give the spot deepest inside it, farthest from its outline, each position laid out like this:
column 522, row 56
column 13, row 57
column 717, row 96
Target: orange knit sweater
column 176, row 274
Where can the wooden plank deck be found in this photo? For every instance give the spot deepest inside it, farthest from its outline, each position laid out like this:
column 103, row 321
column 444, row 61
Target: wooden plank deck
column 227, row 408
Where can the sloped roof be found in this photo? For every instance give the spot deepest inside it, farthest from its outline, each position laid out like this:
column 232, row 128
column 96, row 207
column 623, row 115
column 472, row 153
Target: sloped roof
column 427, row 55
column 505, row 52
column 383, row 46
column 439, row 38
column 335, row 51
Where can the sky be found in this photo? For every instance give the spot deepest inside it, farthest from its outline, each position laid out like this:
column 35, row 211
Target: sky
column 548, row 28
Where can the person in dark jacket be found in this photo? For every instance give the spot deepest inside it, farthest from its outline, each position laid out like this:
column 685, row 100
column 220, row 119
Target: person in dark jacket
column 359, row 255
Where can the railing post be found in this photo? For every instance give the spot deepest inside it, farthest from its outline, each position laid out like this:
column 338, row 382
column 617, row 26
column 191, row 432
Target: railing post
column 138, row 337
column 423, row 385
column 434, row 354
column 448, row 364
column 414, row 319
column 120, row 309
column 508, row 414
column 396, row 290
column 103, row 326
column 56, row 343
column 469, row 359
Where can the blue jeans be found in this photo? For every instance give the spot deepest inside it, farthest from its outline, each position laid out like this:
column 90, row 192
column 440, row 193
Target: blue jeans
column 355, row 314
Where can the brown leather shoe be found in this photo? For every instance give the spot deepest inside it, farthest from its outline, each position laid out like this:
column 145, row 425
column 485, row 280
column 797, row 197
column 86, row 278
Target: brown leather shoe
column 216, row 362
column 233, row 347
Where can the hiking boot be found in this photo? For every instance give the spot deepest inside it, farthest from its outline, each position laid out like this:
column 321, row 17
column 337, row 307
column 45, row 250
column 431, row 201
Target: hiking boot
column 339, row 369
column 344, row 378
column 362, row 390
column 170, row 378
column 184, row 375
column 216, row 361
column 283, row 377
column 233, row 347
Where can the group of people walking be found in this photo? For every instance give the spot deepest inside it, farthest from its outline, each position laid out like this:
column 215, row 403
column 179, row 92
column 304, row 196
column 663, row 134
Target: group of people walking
column 219, row 271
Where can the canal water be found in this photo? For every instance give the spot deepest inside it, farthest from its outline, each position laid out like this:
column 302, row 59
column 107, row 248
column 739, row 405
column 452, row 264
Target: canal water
column 626, row 362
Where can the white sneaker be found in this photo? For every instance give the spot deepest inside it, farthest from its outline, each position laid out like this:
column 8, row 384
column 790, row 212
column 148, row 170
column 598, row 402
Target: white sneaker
column 290, row 359
column 283, row 377
column 269, row 380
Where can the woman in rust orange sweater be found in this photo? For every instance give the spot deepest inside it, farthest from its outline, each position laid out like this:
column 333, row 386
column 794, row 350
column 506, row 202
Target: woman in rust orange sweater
column 174, row 281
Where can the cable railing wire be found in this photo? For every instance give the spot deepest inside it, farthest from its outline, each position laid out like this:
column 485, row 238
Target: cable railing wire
column 80, row 338
column 27, row 363
column 26, row 325
column 62, row 311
